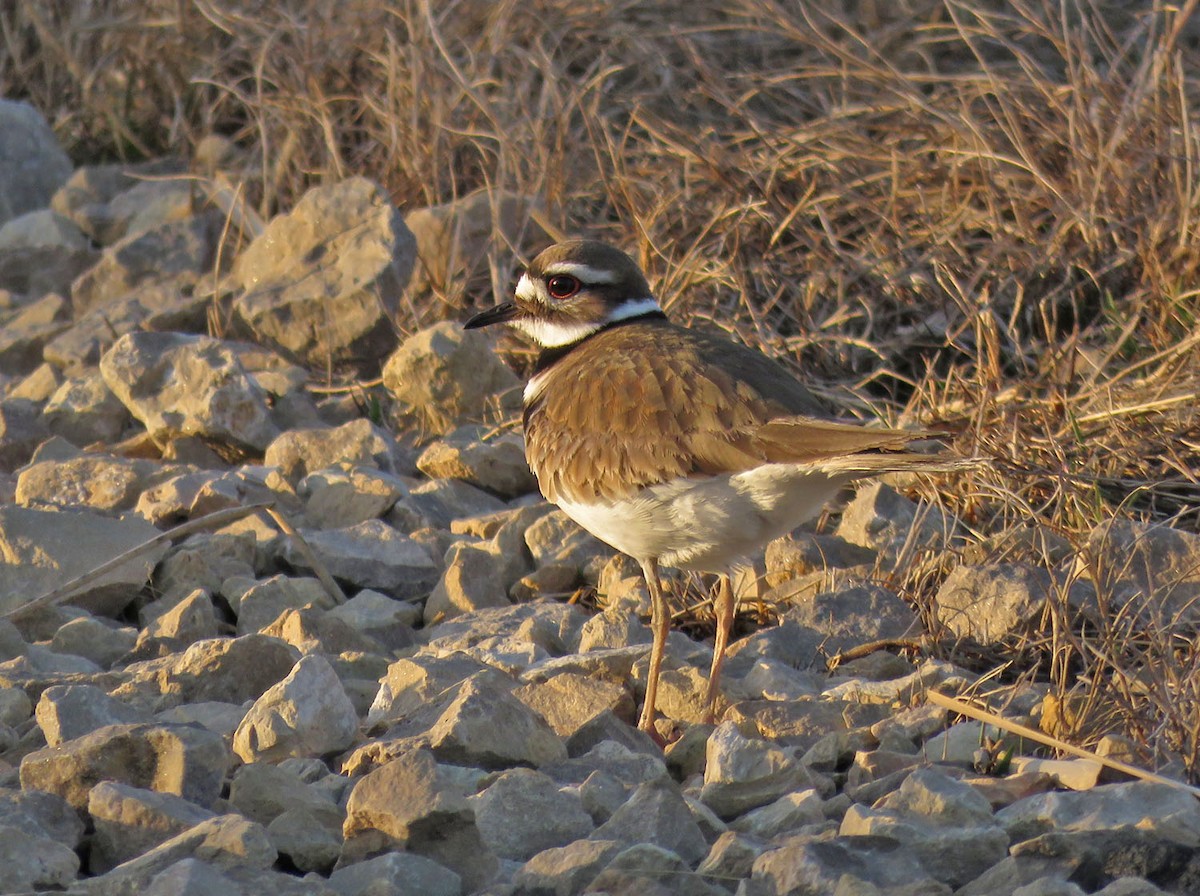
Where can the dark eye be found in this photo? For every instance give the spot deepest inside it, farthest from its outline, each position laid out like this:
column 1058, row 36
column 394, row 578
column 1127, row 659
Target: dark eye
column 562, row 286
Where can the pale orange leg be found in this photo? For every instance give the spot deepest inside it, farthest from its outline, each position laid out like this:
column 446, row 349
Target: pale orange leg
column 660, row 622
column 724, row 608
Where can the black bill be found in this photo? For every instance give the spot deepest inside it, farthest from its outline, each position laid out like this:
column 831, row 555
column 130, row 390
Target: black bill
column 502, row 313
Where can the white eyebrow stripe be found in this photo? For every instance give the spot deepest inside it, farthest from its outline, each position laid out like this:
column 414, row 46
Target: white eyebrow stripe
column 633, row 308
column 526, row 289
column 585, row 273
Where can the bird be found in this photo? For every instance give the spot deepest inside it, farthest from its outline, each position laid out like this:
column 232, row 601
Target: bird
column 674, row 445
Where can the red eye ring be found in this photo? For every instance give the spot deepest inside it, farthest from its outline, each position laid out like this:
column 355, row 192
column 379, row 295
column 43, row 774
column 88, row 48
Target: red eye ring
column 562, row 286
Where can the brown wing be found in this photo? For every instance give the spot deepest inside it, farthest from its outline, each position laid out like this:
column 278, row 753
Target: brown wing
column 649, row 402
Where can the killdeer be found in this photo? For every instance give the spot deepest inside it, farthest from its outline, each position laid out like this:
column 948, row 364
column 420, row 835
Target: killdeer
column 675, row 446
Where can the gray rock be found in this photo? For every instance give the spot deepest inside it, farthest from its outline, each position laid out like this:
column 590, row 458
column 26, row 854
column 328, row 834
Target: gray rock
column 388, row 621
column 12, row 644
column 175, row 383
column 743, row 773
column 1154, row 568
column 876, row 770
column 472, row 580
column 801, row 723
column 201, row 561
column 601, row 795
column 990, row 602
column 84, row 410
column 396, row 873
column 311, row 841
column 414, row 804
column 550, row 626
column 180, row 759
column 32, row 163
column 844, row 865
column 496, row 464
column 454, row 239
column 41, row 668
column 657, row 814
column 78, row 348
column 524, row 812
column 883, row 520
column 219, row 718
column 40, row 270
column 1013, row 872
column 555, row 538
column 564, row 870
column 607, row 727
column 413, row 682
column 436, row 504
column 801, row 553
column 192, row 619
column 947, row 824
column 65, row 712
column 32, row 561
column 98, row 640
column 24, row 332
column 227, row 842
column 192, row 877
column 41, row 383
column 552, row 581
column 483, row 724
column 322, row 282
column 305, row 714
column 313, row 631
column 958, row 743
column 175, row 498
column 173, row 256
column 1159, row 808
column 1102, row 855
column 359, row 442
column 853, row 616
column 336, row 497
column 1049, row 887
column 265, row 792
column 644, row 867
column 32, row 861
column 681, row 686
column 1130, row 886
column 43, row 814
column 15, row 706
column 98, row 482
column 771, row 679
column 130, row 821
column 261, row 604
column 569, row 701
column 731, row 857
column 22, row 429
column 790, row 812
column 40, row 229
column 371, row 554
column 146, row 205
column 226, row 670
column 444, row 376
column 86, row 195
column 614, row 628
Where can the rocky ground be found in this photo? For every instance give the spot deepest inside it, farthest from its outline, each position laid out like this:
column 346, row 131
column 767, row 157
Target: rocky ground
column 380, row 686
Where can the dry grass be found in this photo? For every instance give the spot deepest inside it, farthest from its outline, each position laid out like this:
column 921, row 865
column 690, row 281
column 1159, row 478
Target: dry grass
column 980, row 215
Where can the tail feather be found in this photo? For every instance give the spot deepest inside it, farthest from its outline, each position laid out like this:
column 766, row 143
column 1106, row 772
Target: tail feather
column 873, row 464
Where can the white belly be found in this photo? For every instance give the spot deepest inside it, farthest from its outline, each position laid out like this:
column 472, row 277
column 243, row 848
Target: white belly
column 708, row 524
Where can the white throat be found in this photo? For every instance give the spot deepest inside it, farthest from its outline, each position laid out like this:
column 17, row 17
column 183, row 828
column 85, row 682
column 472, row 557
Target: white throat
column 553, row 334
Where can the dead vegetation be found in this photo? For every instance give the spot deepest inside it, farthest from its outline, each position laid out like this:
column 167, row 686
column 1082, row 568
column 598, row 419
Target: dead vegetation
column 984, row 216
